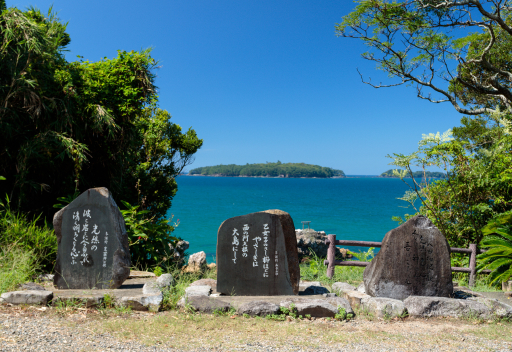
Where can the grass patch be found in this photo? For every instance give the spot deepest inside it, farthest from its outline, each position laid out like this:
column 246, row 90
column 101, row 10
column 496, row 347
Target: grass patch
column 182, row 280
column 17, row 266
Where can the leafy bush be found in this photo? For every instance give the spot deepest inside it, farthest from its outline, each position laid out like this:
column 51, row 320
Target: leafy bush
column 498, row 238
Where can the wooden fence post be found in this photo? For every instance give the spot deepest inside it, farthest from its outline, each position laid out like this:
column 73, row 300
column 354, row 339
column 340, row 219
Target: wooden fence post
column 472, row 265
column 331, row 255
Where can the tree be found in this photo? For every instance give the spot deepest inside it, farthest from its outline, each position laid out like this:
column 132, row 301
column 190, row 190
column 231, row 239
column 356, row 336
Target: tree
column 415, row 41
column 456, row 51
column 68, row 126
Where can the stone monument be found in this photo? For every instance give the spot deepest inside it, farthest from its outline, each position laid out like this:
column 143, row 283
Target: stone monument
column 92, row 243
column 414, row 261
column 257, row 255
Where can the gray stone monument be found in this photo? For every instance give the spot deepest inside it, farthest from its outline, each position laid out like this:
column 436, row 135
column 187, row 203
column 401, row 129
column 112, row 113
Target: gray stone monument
column 93, row 245
column 257, row 255
column 414, row 261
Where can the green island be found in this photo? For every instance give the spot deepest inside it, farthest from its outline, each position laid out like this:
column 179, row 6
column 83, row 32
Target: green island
column 277, row 169
column 415, row 174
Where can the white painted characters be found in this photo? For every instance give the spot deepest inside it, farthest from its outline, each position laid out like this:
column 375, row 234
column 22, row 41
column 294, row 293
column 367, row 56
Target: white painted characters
column 105, row 250
column 245, row 240
column 276, row 260
column 266, row 258
column 76, row 231
column 85, row 238
column 95, row 239
column 235, row 244
column 255, row 256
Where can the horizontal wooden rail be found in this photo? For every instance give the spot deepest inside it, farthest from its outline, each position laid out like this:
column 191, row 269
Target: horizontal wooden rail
column 331, row 254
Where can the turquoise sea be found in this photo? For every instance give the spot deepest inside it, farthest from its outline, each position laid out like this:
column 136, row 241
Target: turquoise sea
column 352, row 208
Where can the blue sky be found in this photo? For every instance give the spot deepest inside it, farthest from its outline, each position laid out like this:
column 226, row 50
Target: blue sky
column 260, row 80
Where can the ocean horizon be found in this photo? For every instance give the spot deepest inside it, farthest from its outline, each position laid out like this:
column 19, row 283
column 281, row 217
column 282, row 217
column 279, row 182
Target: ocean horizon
column 354, row 208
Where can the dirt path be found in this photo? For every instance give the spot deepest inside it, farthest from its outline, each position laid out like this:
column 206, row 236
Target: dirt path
column 33, row 329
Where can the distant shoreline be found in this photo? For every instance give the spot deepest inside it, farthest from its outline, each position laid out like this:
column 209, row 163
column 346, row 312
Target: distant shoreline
column 195, row 175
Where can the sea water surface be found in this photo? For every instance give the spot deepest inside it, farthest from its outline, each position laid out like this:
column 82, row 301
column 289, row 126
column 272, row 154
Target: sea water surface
column 352, row 208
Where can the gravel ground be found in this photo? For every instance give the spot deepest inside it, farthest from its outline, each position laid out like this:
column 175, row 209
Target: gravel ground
column 27, row 331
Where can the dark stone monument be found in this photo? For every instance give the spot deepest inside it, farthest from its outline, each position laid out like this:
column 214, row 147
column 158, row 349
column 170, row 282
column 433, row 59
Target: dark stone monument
column 257, row 255
column 93, row 244
column 414, row 261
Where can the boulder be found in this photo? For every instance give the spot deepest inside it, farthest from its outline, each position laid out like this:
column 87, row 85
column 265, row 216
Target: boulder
column 447, row 307
column 258, row 308
column 414, row 260
column 151, row 302
column 341, row 286
column 196, row 263
column 499, row 309
column 27, row 297
column 311, row 242
column 92, row 242
column 204, row 304
column 317, row 308
column 382, row 307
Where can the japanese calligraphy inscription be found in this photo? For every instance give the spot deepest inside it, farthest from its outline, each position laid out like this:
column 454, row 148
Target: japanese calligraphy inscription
column 257, row 255
column 414, row 261
column 93, row 244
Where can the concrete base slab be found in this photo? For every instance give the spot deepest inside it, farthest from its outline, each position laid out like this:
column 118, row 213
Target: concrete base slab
column 130, row 288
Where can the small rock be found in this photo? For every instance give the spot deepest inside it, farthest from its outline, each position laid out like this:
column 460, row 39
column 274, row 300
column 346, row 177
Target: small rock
column 193, row 291
column 151, row 288
column 212, row 266
column 313, row 307
column 338, row 286
column 354, row 297
column 32, row 286
column 361, row 288
column 46, row 277
column 151, row 302
column 165, row 280
column 340, row 302
column 382, row 307
column 315, row 290
column 329, row 295
column 28, row 297
column 208, row 282
column 259, row 308
column 196, row 262
column 204, row 304
column 134, row 274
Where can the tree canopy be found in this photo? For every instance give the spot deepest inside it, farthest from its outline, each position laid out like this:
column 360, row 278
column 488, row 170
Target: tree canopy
column 69, row 126
column 277, row 169
column 455, row 51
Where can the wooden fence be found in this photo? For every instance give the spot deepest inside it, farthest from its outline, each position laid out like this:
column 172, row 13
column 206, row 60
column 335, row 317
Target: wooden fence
column 331, row 262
